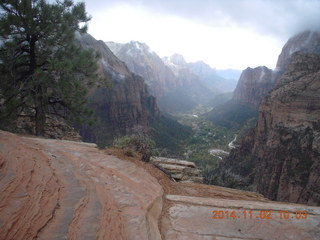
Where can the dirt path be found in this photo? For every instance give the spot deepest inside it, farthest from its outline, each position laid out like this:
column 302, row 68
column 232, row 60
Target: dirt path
column 52, row 189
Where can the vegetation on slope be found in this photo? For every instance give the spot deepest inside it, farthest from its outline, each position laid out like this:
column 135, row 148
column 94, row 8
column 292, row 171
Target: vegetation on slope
column 42, row 72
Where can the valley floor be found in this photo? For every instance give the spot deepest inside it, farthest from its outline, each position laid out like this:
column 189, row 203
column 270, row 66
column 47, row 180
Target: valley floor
column 53, row 189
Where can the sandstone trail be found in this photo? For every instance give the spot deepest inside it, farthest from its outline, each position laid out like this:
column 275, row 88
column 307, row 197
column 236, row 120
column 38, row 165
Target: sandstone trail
column 53, row 189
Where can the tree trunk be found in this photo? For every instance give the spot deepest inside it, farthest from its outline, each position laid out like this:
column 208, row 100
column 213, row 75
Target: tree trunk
column 40, row 121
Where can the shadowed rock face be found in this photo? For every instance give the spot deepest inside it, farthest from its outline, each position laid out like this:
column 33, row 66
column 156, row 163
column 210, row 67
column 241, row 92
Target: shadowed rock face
column 280, row 158
column 307, row 42
column 121, row 107
column 253, row 86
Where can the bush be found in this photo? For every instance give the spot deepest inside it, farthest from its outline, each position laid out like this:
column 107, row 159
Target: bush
column 138, row 143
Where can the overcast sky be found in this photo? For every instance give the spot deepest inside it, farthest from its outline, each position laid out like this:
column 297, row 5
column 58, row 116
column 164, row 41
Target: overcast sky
column 223, row 33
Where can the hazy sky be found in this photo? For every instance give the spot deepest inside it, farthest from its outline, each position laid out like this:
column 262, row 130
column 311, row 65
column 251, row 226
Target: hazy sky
column 223, row 33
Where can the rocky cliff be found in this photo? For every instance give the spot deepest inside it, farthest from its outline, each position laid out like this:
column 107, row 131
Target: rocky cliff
column 308, row 42
column 253, row 85
column 280, row 158
column 122, row 106
column 126, row 105
column 53, row 189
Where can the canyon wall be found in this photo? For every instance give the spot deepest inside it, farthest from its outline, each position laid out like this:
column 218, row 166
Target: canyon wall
column 122, row 105
column 280, row 158
column 253, row 86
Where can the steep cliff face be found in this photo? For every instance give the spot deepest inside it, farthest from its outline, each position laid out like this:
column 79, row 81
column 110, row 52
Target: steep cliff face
column 280, row 158
column 124, row 105
column 308, row 42
column 253, row 86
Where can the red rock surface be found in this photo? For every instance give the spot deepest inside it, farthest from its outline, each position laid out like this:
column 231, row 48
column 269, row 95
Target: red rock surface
column 66, row 190
column 53, row 189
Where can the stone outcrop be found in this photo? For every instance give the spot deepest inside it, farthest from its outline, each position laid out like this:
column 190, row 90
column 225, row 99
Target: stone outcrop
column 280, row 158
column 253, row 85
column 53, row 189
column 180, row 170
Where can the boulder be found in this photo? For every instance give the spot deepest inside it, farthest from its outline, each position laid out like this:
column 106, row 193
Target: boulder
column 180, row 170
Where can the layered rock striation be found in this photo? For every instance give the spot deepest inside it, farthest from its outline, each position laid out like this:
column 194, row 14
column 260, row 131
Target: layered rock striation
column 53, row 189
column 280, row 158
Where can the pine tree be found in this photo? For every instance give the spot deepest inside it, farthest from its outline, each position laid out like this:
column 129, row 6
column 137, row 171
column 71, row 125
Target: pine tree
column 42, row 71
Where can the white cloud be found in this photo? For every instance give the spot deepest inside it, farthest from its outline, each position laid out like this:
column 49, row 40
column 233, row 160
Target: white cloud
column 230, row 33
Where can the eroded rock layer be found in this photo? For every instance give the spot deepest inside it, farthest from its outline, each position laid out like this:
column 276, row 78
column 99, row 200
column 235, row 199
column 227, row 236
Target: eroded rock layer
column 67, row 190
column 54, row 189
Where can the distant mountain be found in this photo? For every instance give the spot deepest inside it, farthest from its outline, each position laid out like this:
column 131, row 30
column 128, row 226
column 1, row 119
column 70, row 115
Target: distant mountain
column 142, row 61
column 126, row 104
column 212, row 78
column 170, row 81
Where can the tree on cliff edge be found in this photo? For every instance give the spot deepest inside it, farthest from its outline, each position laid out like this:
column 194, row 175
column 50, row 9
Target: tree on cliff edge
column 42, row 71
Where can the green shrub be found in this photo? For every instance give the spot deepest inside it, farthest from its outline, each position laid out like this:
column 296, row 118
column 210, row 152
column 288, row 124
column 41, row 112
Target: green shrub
column 137, row 143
